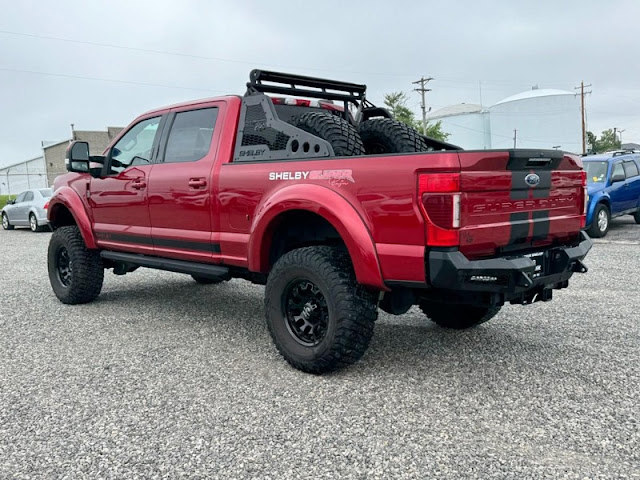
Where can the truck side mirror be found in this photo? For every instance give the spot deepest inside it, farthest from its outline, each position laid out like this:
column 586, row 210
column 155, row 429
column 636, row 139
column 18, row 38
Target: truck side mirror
column 617, row 177
column 78, row 157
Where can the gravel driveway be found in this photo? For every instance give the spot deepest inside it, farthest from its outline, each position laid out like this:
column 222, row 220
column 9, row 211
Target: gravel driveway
column 164, row 378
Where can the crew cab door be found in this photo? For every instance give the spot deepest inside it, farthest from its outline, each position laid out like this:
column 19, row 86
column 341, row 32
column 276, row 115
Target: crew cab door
column 181, row 188
column 119, row 201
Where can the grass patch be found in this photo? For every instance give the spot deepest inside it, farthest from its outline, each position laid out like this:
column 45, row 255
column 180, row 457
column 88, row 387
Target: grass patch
column 4, row 199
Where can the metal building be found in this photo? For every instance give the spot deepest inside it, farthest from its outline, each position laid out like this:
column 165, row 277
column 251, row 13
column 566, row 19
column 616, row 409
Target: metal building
column 541, row 118
column 467, row 123
column 538, row 118
column 23, row 175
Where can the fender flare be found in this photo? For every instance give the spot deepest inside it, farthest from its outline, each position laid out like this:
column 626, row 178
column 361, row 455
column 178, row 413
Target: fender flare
column 331, row 206
column 66, row 197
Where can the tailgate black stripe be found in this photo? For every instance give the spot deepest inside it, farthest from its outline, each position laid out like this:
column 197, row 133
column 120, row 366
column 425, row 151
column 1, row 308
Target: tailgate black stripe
column 519, row 227
column 540, row 224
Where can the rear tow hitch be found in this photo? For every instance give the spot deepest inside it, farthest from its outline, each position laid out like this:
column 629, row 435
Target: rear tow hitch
column 579, row 267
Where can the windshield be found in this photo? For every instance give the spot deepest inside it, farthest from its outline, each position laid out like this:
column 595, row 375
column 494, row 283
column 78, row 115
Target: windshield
column 596, row 172
column 46, row 192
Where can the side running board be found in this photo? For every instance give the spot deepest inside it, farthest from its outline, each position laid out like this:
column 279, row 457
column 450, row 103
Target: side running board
column 168, row 264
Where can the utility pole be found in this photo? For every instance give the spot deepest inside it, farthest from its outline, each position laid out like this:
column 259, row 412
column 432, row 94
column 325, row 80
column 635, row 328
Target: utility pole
column 584, row 128
column 620, row 130
column 423, row 82
column 515, row 137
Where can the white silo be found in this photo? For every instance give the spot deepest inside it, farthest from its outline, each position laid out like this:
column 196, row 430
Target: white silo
column 467, row 124
column 541, row 118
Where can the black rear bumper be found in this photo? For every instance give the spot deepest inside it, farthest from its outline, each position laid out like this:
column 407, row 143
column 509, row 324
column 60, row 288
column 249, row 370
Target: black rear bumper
column 516, row 277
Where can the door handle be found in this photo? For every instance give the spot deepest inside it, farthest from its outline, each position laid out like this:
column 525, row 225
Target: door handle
column 197, row 183
column 138, row 184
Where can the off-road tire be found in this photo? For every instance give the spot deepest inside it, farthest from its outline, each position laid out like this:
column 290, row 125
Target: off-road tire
column 636, row 216
column 86, row 272
column 352, row 309
column 457, row 316
column 5, row 222
column 384, row 135
column 595, row 230
column 342, row 136
column 207, row 280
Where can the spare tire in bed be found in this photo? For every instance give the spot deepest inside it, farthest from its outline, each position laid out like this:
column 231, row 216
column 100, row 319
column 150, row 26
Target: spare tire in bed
column 342, row 136
column 384, row 135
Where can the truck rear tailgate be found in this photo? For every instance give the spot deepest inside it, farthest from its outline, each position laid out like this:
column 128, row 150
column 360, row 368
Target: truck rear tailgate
column 519, row 199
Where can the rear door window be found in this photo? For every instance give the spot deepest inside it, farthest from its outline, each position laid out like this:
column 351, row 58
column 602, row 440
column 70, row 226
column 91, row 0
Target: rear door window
column 190, row 136
column 630, row 169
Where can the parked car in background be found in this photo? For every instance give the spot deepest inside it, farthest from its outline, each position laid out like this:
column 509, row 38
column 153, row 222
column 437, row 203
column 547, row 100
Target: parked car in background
column 29, row 209
column 613, row 185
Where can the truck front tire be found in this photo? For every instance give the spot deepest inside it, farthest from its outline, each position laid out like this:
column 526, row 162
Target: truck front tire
column 319, row 317
column 75, row 272
column 457, row 316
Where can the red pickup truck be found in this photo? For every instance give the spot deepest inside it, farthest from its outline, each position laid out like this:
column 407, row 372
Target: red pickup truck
column 322, row 196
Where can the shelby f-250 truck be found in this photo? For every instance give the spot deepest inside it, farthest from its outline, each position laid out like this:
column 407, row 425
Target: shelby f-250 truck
column 327, row 200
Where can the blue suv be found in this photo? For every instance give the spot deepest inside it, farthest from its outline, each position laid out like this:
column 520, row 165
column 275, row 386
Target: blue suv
column 613, row 185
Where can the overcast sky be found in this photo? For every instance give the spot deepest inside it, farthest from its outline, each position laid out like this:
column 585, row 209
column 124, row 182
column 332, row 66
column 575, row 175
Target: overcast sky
column 99, row 63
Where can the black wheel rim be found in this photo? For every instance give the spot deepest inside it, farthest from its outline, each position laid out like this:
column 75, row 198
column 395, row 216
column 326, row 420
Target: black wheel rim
column 63, row 266
column 306, row 314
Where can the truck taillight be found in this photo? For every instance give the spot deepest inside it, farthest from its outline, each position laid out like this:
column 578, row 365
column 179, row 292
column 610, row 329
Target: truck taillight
column 585, row 198
column 439, row 195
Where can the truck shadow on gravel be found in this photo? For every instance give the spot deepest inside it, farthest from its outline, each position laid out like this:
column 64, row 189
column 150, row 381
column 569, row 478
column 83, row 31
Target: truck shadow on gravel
column 236, row 309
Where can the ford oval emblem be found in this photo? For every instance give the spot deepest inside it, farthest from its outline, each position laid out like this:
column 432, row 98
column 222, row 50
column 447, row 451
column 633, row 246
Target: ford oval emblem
column 532, row 179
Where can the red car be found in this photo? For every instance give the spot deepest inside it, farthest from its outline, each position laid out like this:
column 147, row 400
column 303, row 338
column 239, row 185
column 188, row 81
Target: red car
column 328, row 201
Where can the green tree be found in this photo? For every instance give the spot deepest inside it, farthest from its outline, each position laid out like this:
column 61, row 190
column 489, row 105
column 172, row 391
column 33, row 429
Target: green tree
column 396, row 102
column 608, row 141
column 434, row 130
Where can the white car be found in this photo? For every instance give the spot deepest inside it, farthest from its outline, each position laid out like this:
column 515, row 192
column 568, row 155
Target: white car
column 29, row 209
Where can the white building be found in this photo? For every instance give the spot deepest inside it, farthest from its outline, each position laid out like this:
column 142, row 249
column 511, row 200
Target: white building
column 23, row 175
column 468, row 124
column 538, row 118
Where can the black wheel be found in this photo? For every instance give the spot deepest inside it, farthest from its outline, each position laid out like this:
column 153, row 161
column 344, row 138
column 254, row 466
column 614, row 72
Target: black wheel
column 5, row 222
column 636, row 216
column 384, row 135
column 207, row 280
column 457, row 316
column 342, row 136
column 75, row 273
column 600, row 223
column 319, row 317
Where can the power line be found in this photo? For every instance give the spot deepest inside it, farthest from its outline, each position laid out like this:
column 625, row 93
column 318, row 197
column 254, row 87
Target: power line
column 99, row 79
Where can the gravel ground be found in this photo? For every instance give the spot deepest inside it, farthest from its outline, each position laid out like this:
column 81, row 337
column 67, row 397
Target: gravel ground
column 164, row 378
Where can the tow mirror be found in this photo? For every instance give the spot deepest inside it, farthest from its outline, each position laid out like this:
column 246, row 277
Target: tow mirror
column 78, row 157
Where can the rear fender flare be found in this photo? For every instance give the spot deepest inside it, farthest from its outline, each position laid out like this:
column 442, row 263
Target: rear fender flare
column 66, row 197
column 334, row 208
